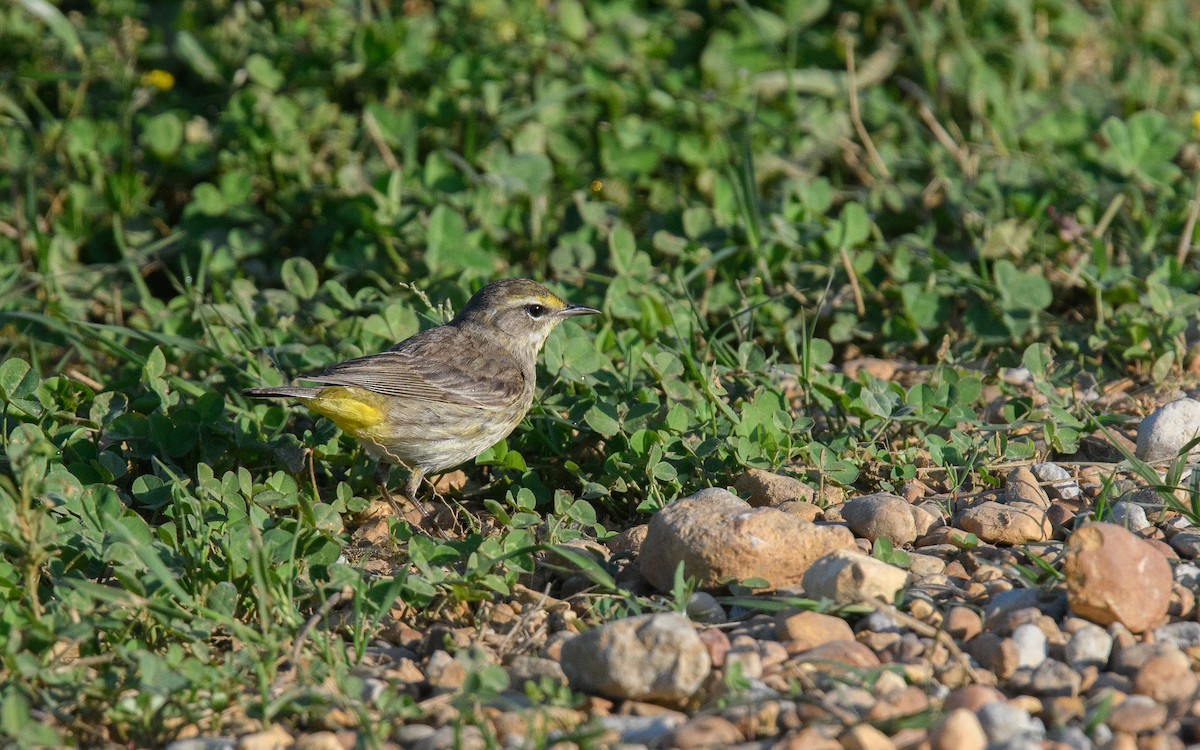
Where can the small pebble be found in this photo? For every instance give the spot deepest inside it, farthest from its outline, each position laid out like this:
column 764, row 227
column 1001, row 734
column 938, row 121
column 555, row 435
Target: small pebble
column 1031, row 645
column 1129, row 515
column 1002, row 722
column 1062, row 486
column 1091, row 645
column 1137, row 713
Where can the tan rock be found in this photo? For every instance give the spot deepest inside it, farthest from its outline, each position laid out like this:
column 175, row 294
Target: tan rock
column 1137, row 713
column 1022, row 487
column 1113, row 576
column 273, row 738
column 762, row 488
column 801, row 508
column 807, row 629
column 909, row 701
column 1006, row 523
column 865, row 737
column 809, row 738
column 318, row 741
column 923, row 520
column 718, row 537
column 847, row 577
column 881, row 515
column 705, row 732
column 1166, row 677
column 882, row 369
column 958, row 730
column 657, row 658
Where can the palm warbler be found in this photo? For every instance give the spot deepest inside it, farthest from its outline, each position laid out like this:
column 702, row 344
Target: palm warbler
column 445, row 395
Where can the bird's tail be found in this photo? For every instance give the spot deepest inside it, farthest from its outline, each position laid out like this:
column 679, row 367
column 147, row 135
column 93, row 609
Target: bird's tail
column 282, row 391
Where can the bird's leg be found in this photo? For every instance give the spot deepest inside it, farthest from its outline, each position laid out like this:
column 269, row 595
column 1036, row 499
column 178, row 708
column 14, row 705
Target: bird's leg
column 412, row 486
column 382, row 472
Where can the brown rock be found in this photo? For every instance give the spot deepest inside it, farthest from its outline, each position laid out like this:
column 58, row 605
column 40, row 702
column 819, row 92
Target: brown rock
column 865, row 737
column 705, row 732
column 1166, row 677
column 810, row 629
column 846, row 653
column 972, row 697
column 762, row 488
column 959, row 729
column 1022, row 487
column 847, row 577
column 963, row 623
column 1061, row 514
column 801, row 508
column 630, row 540
column 718, row 537
column 915, row 490
column 1137, row 713
column 1006, row 523
column 717, row 644
column 996, row 654
column 881, row 516
column 1113, row 576
column 444, row 672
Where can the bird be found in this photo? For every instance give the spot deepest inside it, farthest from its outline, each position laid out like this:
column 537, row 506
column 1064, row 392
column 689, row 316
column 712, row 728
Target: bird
column 443, row 396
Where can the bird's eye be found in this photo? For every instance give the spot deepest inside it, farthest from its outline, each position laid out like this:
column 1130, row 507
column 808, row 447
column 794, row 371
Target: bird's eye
column 535, row 311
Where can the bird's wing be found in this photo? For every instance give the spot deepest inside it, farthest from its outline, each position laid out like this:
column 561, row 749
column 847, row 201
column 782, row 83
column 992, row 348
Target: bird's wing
column 434, row 366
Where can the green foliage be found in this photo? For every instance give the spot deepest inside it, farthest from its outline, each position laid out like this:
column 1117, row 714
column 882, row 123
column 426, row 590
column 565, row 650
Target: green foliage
column 205, row 197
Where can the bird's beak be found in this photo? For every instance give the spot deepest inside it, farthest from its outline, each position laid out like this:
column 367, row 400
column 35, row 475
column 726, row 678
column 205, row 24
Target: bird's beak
column 571, row 311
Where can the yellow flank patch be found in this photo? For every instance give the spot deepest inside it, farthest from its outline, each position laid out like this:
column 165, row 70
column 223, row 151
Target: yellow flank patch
column 352, row 409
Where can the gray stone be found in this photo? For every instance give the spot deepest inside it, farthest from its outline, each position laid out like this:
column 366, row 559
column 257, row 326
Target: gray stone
column 1050, row 603
column 657, row 658
column 1163, row 433
column 466, row 737
column 704, row 607
column 1185, row 635
column 1090, row 646
column 1186, row 544
column 526, row 668
column 642, row 730
column 1062, row 486
column 1031, row 645
column 1188, row 574
column 1003, row 722
column 1073, row 737
column 1052, row 679
column 1130, row 515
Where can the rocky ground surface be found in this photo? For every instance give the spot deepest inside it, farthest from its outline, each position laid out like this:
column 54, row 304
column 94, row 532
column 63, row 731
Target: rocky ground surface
column 1004, row 618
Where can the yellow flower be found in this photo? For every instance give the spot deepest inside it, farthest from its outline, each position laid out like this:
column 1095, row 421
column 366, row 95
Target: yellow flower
column 1196, row 119
column 158, row 79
